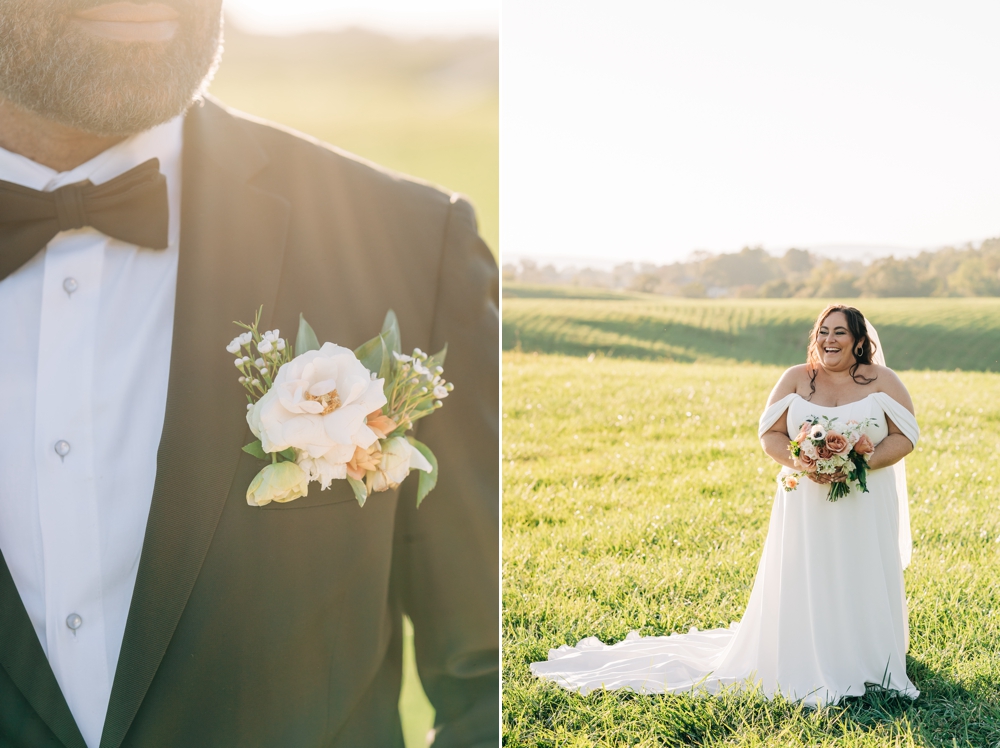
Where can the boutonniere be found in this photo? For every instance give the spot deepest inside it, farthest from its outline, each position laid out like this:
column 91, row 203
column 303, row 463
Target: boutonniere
column 326, row 413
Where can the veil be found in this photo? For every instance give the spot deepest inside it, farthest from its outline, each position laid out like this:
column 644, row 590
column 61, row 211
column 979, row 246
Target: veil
column 879, row 357
column 902, row 497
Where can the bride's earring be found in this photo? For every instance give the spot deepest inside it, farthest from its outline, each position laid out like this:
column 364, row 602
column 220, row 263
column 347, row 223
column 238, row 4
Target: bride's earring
column 860, row 351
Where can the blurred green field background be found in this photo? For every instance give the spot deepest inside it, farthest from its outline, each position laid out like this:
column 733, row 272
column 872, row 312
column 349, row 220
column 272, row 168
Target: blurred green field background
column 938, row 333
column 425, row 107
column 636, row 496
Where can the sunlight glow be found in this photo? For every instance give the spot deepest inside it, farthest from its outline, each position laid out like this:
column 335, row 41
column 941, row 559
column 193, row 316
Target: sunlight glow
column 641, row 130
column 429, row 17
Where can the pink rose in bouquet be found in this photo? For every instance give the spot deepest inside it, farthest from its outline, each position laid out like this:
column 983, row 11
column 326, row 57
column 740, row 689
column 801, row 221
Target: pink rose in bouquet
column 837, row 443
column 806, row 462
column 864, row 445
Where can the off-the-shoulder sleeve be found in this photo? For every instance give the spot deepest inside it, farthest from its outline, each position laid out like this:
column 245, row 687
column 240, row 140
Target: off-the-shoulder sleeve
column 900, row 416
column 770, row 416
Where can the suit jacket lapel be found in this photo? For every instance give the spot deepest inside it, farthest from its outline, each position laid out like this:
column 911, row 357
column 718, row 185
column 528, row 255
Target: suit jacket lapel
column 231, row 249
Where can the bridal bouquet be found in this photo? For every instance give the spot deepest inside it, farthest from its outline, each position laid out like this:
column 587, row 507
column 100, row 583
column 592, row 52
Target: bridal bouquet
column 330, row 413
column 821, row 447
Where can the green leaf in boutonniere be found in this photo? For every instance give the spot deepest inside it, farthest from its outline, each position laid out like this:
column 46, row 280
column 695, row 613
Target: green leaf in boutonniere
column 306, row 339
column 427, row 480
column 375, row 356
column 255, row 449
column 390, row 333
column 385, row 366
column 360, row 490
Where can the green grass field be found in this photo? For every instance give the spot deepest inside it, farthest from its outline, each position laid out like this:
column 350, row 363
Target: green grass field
column 427, row 107
column 918, row 333
column 636, row 496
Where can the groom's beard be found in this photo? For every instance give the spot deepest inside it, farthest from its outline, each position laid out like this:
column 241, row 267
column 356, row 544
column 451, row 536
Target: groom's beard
column 50, row 66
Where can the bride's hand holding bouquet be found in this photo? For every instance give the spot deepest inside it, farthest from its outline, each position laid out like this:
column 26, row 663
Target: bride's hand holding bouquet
column 827, row 454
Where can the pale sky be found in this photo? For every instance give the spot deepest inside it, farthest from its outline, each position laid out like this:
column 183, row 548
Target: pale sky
column 643, row 130
column 406, row 17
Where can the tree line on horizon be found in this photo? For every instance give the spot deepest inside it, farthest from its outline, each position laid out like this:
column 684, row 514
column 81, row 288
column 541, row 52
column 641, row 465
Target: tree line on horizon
column 754, row 273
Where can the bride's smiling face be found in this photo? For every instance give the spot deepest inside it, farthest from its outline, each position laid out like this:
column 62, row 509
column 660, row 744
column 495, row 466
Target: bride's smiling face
column 835, row 343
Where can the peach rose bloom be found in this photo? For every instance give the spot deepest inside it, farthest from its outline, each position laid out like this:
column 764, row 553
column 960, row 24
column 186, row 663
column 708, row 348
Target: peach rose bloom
column 837, row 443
column 363, row 461
column 824, row 452
column 381, row 424
column 806, row 463
column 864, row 445
column 791, row 481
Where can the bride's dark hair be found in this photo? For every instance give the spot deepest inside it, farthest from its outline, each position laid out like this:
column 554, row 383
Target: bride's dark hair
column 863, row 348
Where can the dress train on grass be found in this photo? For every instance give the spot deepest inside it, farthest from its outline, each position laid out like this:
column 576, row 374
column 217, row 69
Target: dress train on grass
column 827, row 615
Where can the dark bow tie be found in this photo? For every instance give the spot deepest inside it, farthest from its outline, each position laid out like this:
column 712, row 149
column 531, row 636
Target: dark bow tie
column 132, row 207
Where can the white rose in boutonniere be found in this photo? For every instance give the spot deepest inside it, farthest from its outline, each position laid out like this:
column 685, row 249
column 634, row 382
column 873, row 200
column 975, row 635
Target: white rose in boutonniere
column 319, row 405
column 331, row 413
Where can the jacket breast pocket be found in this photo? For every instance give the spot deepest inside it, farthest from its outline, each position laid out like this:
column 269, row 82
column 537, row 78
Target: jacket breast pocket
column 340, row 491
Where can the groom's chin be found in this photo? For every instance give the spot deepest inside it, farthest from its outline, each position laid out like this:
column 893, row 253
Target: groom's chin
column 104, row 76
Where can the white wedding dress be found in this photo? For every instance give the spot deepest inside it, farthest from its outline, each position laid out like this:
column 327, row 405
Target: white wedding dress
column 827, row 614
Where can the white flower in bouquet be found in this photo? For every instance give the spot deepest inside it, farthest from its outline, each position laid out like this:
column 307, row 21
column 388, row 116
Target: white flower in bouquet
column 318, row 405
column 809, row 449
column 817, row 432
column 852, row 432
column 831, row 465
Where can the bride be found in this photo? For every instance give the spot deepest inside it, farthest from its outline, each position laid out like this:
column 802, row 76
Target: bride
column 827, row 614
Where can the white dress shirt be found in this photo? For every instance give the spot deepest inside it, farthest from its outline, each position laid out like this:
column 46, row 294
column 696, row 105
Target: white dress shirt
column 83, row 390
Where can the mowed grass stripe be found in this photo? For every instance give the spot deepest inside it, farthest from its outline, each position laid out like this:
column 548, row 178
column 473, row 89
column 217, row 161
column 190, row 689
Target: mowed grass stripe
column 636, row 496
column 930, row 334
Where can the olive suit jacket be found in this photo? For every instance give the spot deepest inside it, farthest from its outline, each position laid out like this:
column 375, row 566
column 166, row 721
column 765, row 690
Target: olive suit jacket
column 281, row 626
